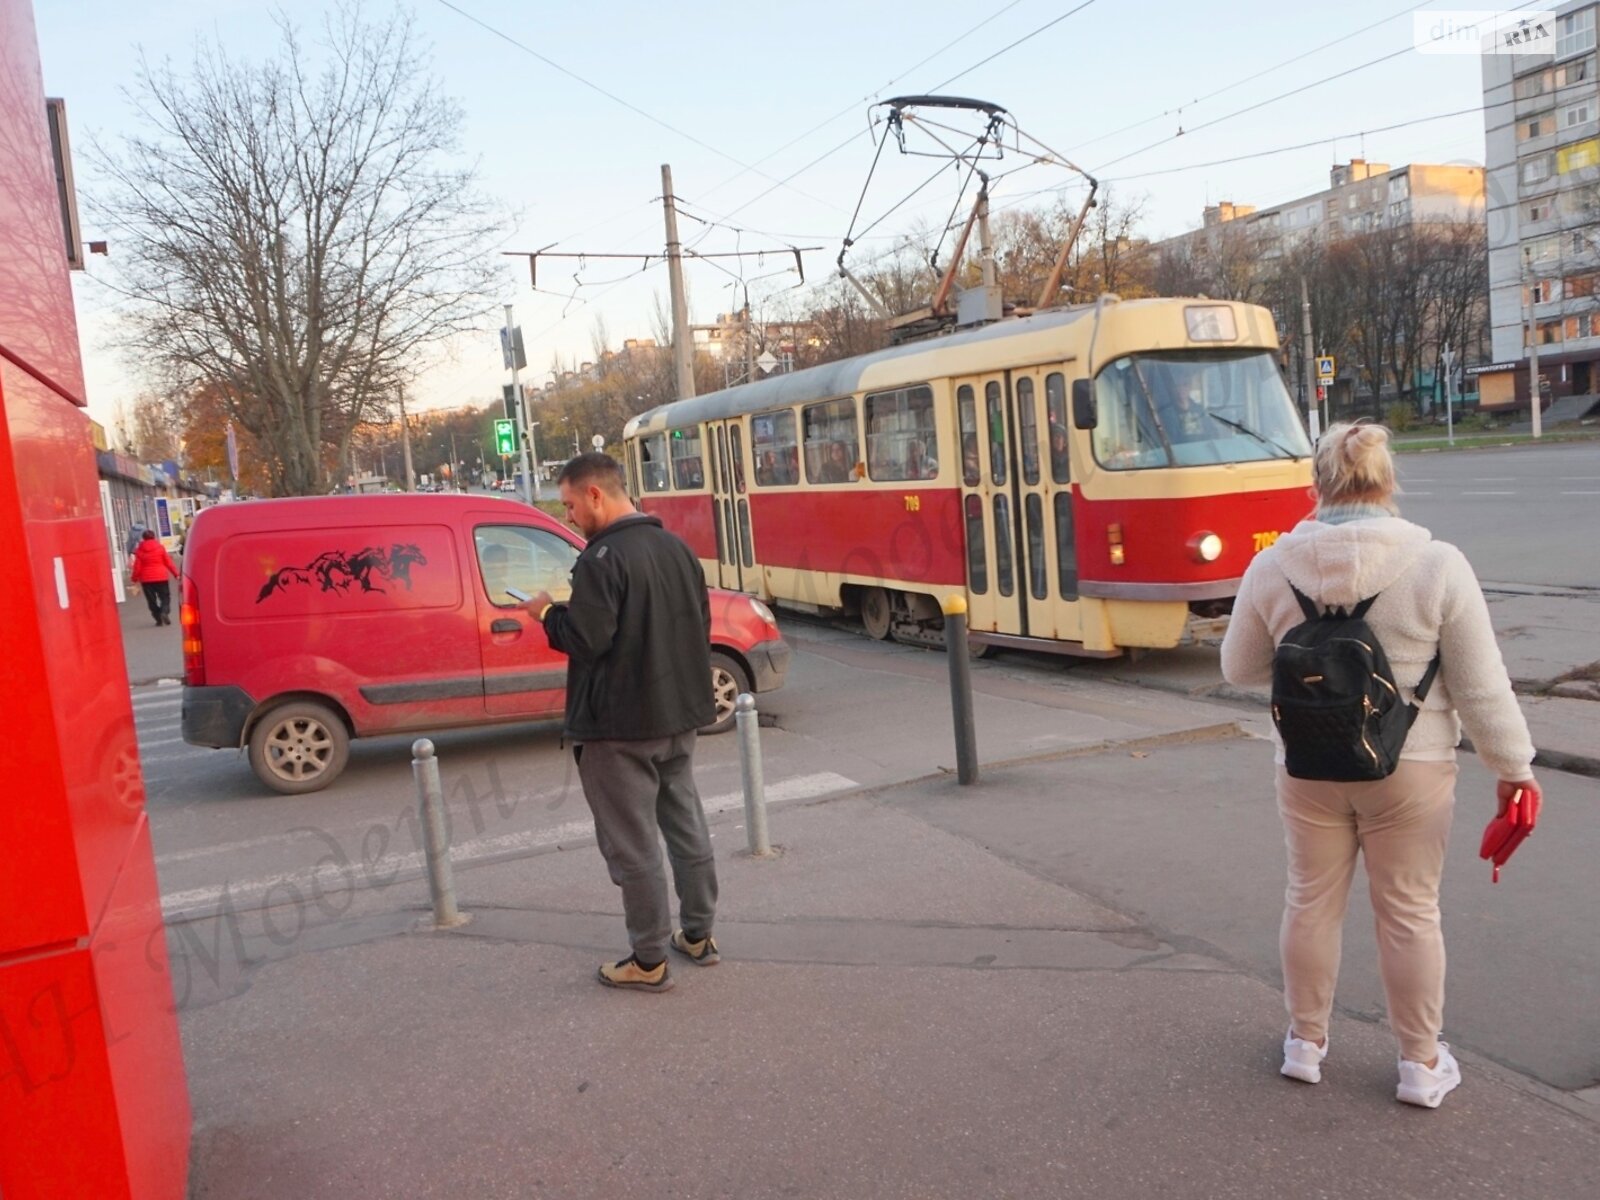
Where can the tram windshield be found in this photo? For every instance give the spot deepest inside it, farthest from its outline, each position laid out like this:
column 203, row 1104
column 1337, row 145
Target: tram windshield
column 1185, row 409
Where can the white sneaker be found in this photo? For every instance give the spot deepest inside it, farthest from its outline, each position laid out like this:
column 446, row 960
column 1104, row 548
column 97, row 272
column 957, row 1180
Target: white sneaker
column 1426, row 1087
column 1302, row 1060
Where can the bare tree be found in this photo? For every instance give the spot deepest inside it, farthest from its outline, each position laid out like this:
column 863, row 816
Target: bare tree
column 294, row 234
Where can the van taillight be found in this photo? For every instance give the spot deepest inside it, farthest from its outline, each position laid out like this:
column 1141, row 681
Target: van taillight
column 194, row 660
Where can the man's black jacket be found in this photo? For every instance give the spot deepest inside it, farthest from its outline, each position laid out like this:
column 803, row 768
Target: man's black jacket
column 637, row 635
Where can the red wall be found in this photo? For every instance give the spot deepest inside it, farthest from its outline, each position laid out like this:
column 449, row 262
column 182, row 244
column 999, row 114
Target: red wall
column 91, row 1074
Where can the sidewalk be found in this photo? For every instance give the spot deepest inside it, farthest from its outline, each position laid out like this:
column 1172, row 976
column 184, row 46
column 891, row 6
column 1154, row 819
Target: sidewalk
column 153, row 653
column 913, row 1003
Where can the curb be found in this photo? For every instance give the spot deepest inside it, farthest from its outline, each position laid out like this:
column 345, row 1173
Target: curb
column 1556, row 760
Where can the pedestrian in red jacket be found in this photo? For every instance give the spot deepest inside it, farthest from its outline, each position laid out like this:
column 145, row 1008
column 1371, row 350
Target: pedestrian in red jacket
column 152, row 566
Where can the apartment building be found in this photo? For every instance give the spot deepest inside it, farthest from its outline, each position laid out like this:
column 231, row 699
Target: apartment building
column 1542, row 152
column 1360, row 196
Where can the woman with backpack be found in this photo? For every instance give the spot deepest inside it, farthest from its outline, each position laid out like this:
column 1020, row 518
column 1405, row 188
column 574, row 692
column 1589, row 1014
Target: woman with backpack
column 1378, row 784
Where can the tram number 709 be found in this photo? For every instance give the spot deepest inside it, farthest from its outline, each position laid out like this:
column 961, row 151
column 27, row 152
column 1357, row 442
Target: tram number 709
column 1265, row 538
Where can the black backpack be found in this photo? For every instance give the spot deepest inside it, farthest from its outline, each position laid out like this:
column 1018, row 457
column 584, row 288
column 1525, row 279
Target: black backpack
column 1334, row 698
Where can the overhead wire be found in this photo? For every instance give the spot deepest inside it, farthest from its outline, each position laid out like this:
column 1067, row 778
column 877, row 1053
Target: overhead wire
column 616, row 99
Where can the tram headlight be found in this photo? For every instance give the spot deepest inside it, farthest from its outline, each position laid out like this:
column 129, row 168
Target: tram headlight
column 1205, row 547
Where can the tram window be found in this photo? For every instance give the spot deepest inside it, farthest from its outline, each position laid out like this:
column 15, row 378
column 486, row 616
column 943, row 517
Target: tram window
column 901, row 440
column 1038, row 568
column 688, row 464
column 738, row 458
column 1055, row 405
column 977, row 561
column 1028, row 431
column 997, row 434
column 1188, row 408
column 719, row 462
column 633, row 469
column 971, row 456
column 1005, row 576
column 1066, row 548
column 773, row 446
column 653, row 462
column 745, row 548
column 833, row 446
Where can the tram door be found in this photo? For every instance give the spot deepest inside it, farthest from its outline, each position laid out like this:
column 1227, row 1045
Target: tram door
column 1017, row 504
column 988, row 505
column 1047, row 554
column 730, row 500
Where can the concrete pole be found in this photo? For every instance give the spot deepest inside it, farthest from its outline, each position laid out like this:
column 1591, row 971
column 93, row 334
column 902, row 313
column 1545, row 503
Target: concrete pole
column 1311, row 362
column 405, row 445
column 530, row 480
column 1449, row 357
column 682, row 338
column 1533, row 350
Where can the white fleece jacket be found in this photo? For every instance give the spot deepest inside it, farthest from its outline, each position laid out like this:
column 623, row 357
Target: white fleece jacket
column 1428, row 598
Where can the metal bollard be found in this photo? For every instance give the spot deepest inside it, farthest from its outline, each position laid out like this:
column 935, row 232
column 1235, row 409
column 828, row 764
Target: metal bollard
column 955, row 644
column 435, row 842
column 755, row 787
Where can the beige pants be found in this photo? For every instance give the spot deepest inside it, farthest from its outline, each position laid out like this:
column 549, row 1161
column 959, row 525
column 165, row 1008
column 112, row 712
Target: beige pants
column 1400, row 826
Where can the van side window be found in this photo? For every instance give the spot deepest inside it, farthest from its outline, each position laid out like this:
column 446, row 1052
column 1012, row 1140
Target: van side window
column 530, row 560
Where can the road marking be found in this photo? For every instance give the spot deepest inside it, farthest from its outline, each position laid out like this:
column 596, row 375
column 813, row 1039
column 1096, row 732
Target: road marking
column 1488, row 493
column 1580, row 493
column 145, row 745
column 1497, row 479
column 1408, row 492
column 306, row 884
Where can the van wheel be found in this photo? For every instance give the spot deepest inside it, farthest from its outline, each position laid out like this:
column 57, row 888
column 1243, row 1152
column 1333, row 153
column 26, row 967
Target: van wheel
column 728, row 679
column 299, row 747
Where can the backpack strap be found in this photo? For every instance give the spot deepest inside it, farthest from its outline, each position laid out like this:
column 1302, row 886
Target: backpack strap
column 1426, row 682
column 1360, row 610
column 1306, row 606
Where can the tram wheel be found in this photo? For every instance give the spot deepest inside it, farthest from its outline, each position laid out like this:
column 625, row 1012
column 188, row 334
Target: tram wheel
column 876, row 612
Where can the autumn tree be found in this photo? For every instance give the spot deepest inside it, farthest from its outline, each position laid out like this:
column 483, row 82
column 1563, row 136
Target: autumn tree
column 292, row 233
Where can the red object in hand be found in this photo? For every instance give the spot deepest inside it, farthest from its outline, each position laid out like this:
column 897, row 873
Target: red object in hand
column 1506, row 832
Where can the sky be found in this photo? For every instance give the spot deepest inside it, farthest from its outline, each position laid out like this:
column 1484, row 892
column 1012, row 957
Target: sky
column 762, row 110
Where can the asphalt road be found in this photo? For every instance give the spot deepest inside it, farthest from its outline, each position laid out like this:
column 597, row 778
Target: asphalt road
column 1527, row 515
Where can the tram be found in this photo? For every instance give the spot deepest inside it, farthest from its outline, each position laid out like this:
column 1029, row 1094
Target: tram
column 1088, row 479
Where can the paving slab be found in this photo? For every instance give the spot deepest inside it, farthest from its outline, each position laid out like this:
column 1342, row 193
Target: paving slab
column 913, row 1003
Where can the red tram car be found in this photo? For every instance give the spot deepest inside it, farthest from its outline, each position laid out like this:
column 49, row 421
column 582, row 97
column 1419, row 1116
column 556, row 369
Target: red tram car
column 1089, row 479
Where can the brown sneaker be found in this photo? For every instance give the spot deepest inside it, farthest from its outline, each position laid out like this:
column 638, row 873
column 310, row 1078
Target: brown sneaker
column 702, row 953
column 629, row 974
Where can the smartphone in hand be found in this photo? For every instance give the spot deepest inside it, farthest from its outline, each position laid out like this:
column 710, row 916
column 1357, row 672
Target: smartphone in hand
column 517, row 594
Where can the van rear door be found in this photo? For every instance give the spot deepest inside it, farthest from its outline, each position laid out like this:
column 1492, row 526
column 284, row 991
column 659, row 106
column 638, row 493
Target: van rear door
column 522, row 675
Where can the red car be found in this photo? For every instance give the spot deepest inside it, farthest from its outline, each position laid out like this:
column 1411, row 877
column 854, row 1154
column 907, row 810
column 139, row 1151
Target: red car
column 310, row 622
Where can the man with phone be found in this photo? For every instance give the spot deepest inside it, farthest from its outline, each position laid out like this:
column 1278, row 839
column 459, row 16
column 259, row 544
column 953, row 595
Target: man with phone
column 637, row 635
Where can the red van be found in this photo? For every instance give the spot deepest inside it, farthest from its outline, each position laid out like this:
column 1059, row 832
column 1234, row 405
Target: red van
column 309, row 622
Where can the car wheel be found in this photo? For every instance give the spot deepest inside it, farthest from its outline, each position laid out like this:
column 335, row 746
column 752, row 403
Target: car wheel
column 299, row 747
column 728, row 680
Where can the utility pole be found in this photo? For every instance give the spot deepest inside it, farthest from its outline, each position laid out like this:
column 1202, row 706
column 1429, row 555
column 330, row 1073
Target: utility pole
column 455, row 463
column 682, row 339
column 1533, row 349
column 985, row 242
column 1311, row 362
column 1449, row 357
column 410, row 481
column 530, row 481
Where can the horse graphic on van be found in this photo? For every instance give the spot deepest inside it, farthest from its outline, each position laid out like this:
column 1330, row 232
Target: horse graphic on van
column 334, row 570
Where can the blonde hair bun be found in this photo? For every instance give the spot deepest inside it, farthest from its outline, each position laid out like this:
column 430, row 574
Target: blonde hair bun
column 1353, row 465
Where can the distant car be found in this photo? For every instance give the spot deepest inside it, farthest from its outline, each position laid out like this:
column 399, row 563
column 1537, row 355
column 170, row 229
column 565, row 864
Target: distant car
column 313, row 621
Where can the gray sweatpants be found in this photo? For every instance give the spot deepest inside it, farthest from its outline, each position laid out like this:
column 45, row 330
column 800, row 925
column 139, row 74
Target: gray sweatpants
column 633, row 788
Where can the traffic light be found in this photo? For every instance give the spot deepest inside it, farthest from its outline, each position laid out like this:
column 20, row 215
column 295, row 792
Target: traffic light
column 505, row 438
